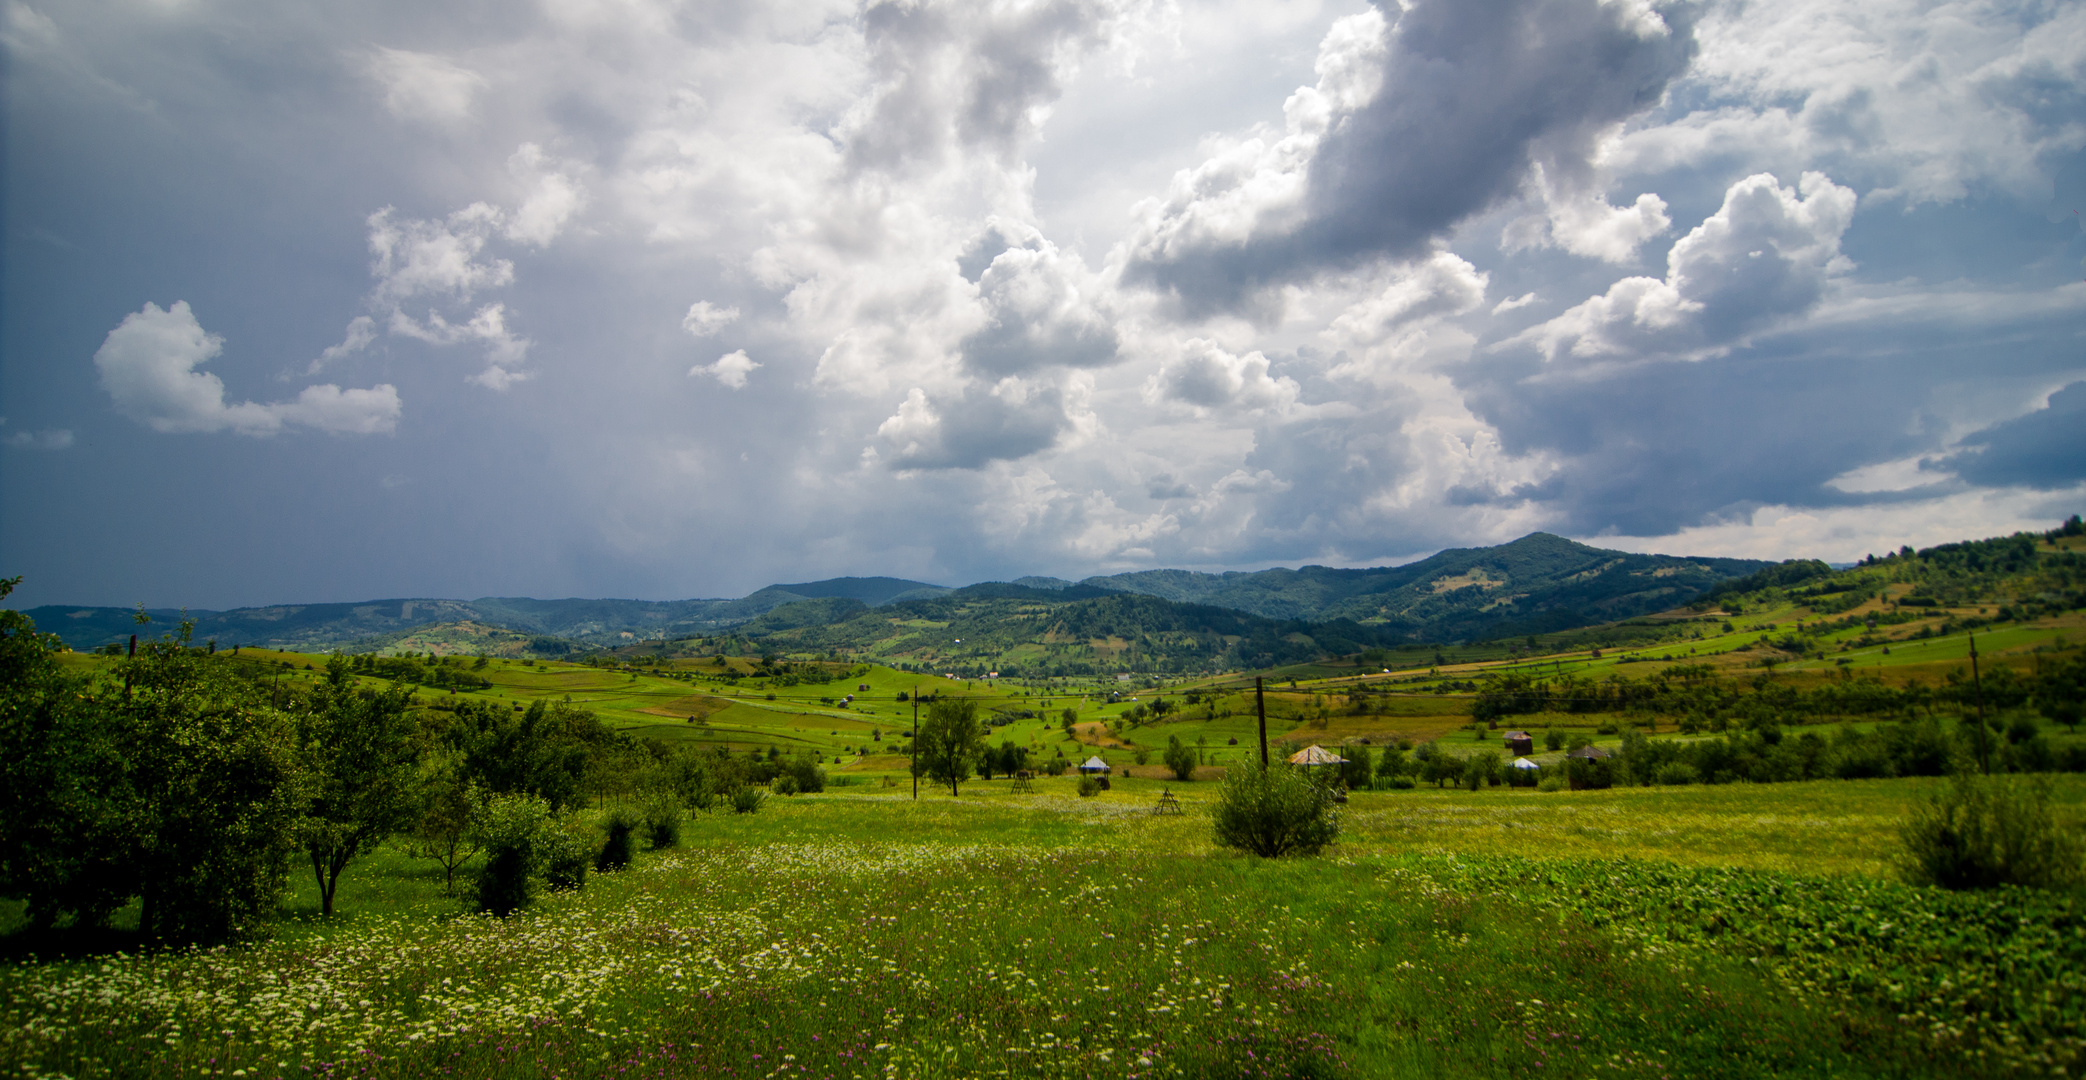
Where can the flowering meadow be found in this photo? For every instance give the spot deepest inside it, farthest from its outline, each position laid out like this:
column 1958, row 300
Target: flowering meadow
column 866, row 937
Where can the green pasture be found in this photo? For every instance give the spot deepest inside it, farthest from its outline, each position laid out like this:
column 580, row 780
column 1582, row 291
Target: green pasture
column 1737, row 931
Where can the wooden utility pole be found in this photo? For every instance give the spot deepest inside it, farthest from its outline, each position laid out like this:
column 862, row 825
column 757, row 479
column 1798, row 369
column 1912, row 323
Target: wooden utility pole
column 1260, row 705
column 915, row 755
column 1977, row 686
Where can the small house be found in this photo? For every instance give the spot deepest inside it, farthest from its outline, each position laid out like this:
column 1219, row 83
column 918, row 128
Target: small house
column 1525, row 764
column 1315, row 756
column 1520, row 743
column 1094, row 766
column 1590, row 752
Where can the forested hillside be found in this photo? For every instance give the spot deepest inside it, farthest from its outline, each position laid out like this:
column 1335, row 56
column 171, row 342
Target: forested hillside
column 1537, row 584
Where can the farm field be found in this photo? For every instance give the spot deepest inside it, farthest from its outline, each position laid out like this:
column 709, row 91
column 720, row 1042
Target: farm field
column 1744, row 930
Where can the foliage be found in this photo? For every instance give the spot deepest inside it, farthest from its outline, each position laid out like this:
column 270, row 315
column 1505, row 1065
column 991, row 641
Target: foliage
column 441, row 830
column 616, row 850
column 1982, row 833
column 357, row 750
column 950, row 741
column 1180, row 757
column 1274, row 810
column 662, row 822
column 510, row 830
column 745, row 799
column 1087, row 787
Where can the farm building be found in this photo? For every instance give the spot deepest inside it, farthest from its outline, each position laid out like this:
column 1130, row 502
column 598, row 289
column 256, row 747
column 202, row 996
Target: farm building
column 1520, row 743
column 1095, row 766
column 1314, row 756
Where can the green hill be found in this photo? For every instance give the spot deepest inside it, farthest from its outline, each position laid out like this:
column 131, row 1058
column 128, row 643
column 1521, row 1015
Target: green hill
column 1537, row 584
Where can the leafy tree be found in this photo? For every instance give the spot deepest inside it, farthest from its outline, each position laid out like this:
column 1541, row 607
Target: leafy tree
column 214, row 785
column 442, row 825
column 1358, row 767
column 510, row 828
column 358, row 754
column 1180, row 757
column 951, row 739
column 1274, row 810
column 2060, row 693
column 62, row 812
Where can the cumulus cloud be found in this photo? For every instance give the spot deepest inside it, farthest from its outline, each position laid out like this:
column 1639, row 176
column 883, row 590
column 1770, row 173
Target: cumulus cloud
column 1763, row 257
column 148, row 366
column 1905, row 99
column 441, row 262
column 424, row 86
column 1414, row 126
column 731, row 369
column 977, row 425
column 1039, row 306
column 1204, row 376
column 705, row 318
column 969, row 75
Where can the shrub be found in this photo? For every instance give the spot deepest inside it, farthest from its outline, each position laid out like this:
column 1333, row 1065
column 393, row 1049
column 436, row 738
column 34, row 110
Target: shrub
column 662, row 823
column 785, row 784
column 1180, row 757
column 1089, row 787
column 615, row 852
column 746, row 799
column 1553, row 739
column 567, row 849
column 1675, row 774
column 1399, row 783
column 1551, row 783
column 1984, row 832
column 1273, row 811
column 509, row 830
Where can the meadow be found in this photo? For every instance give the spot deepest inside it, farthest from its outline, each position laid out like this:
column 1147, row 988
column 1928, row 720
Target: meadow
column 1744, row 930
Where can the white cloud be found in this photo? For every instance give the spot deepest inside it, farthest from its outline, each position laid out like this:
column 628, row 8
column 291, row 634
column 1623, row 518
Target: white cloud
column 704, row 318
column 731, row 369
column 148, row 364
column 1763, row 257
column 418, row 258
column 552, row 195
column 424, row 86
column 1204, row 376
column 1844, row 534
column 360, row 332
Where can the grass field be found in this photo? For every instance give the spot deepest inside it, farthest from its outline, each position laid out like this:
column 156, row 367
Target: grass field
column 1734, row 931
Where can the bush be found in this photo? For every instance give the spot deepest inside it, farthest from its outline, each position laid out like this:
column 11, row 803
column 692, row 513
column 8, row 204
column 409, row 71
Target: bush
column 1675, row 774
column 785, row 785
column 662, row 823
column 1551, row 783
column 1984, row 832
column 615, row 852
column 1180, row 757
column 1088, row 787
column 1553, row 739
column 746, row 799
column 567, row 849
column 510, row 831
column 1399, row 783
column 1273, row 811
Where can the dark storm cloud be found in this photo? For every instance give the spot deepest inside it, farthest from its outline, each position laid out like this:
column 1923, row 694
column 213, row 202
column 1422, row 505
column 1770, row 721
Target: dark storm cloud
column 1474, row 93
column 2045, row 449
column 973, row 428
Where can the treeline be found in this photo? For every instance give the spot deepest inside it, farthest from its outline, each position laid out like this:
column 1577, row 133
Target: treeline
column 2024, row 573
column 192, row 783
column 1691, row 698
column 431, row 671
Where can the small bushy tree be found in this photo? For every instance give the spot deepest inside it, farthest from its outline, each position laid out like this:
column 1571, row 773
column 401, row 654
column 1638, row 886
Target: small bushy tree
column 510, row 831
column 615, row 851
column 1180, row 757
column 950, row 741
column 1274, row 810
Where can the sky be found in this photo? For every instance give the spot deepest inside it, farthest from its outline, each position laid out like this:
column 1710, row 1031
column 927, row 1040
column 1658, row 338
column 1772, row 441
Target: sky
column 329, row 302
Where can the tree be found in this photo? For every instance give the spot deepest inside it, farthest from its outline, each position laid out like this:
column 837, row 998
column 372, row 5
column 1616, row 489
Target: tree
column 1274, row 810
column 2060, row 693
column 358, row 753
column 63, row 838
column 1180, row 757
column 950, row 741
column 442, row 827
column 214, row 786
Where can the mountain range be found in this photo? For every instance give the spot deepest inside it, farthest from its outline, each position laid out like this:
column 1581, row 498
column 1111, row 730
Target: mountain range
column 1536, row 584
